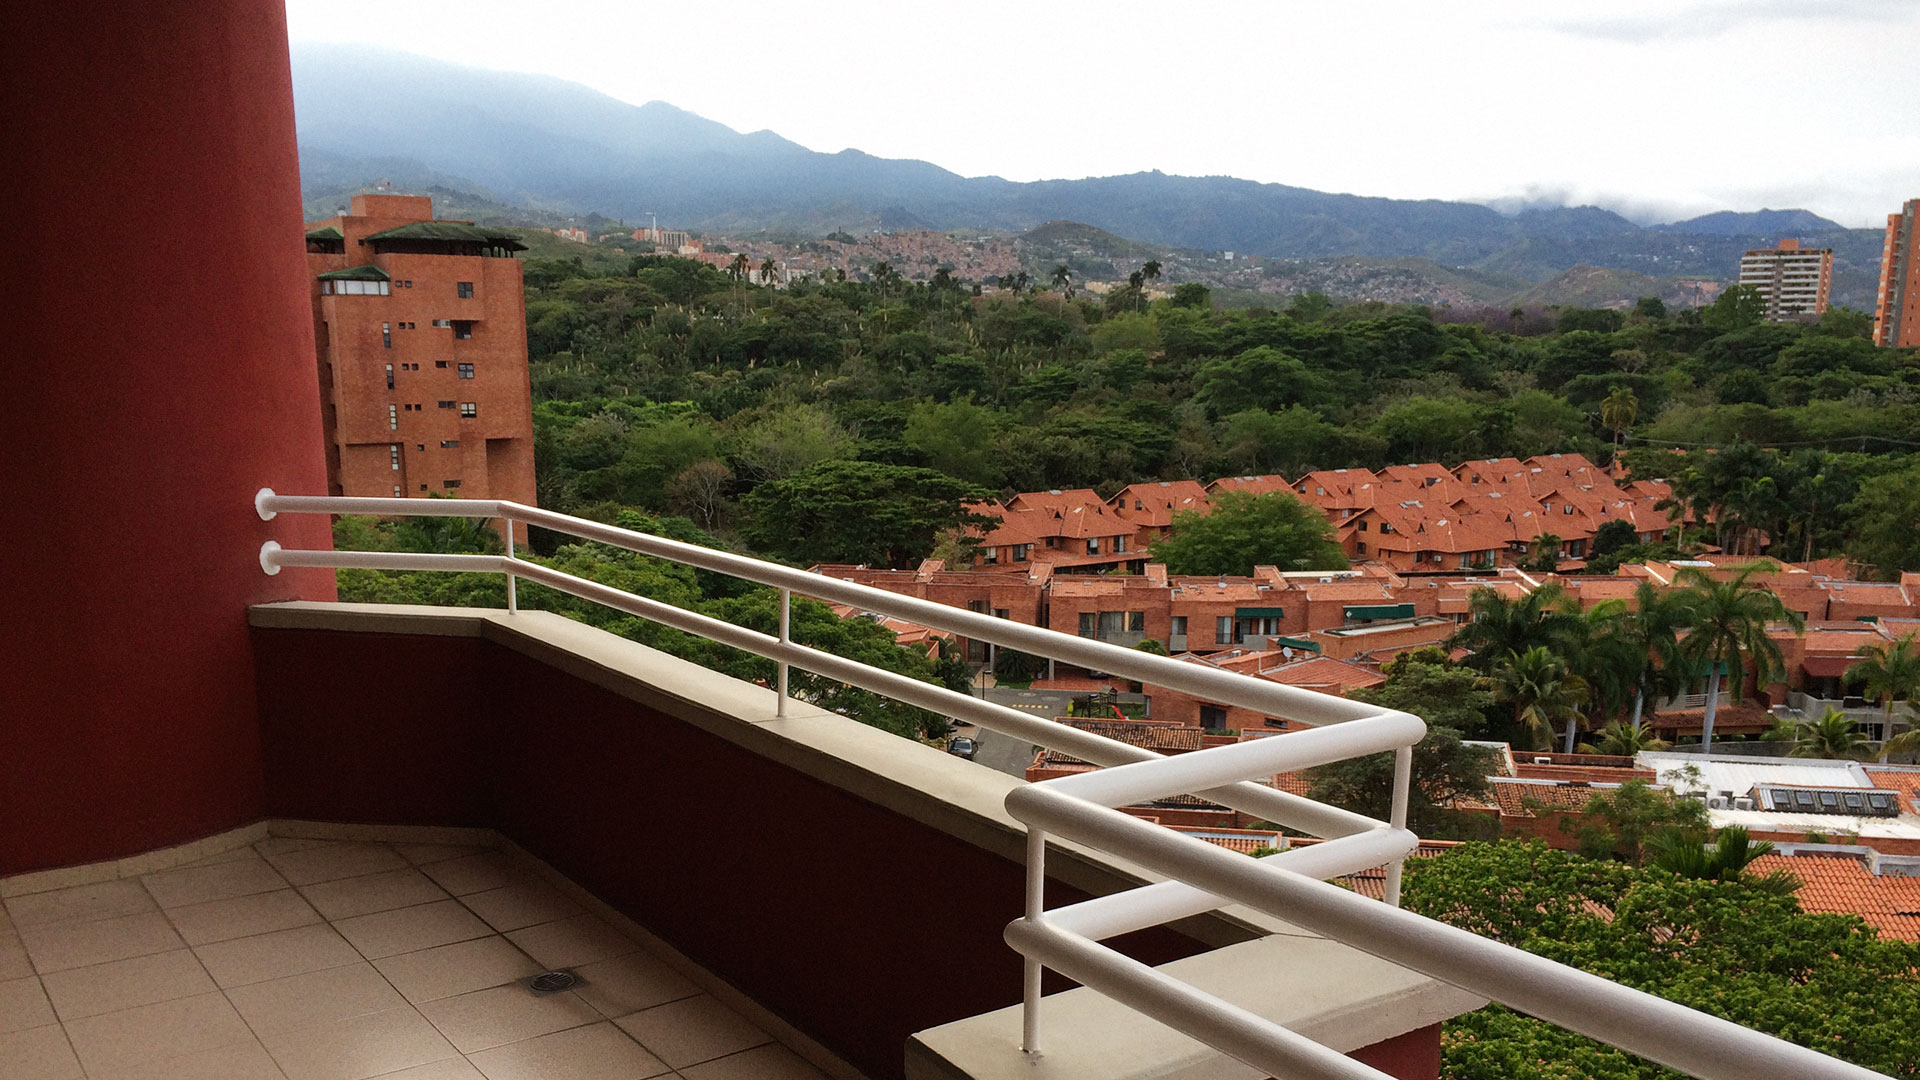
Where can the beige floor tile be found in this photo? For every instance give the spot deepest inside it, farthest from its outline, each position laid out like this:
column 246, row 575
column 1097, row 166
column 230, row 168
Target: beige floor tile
column 368, row 893
column 336, row 861
column 475, row 873
column 6, row 920
column 627, row 984
column 23, row 1005
column 773, row 1062
column 105, row 900
column 460, row 968
column 522, row 904
column 453, row 1068
column 365, row 1046
column 242, row 916
column 317, row 997
column 281, row 845
column 220, row 881
column 163, row 1030
column 13, row 957
column 240, row 1061
column 410, row 929
column 422, row 854
column 597, row 1052
column 79, row 943
column 39, row 1054
column 240, row 854
column 692, row 1030
column 126, row 984
column 581, row 939
column 505, row 1014
column 275, row 956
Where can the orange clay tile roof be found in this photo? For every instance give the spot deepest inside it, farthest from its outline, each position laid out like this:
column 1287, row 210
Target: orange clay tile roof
column 1841, row 884
column 1324, row 673
column 1153, row 505
column 1524, row 768
column 1244, row 841
column 1905, row 780
column 1515, row 797
column 1252, row 485
column 1169, row 738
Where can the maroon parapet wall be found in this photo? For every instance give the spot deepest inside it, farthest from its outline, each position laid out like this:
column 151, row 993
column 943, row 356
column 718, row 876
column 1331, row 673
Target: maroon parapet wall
column 854, row 922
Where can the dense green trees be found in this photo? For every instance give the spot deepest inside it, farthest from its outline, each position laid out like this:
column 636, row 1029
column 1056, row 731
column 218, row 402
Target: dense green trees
column 860, row 512
column 1737, row 950
column 1244, row 531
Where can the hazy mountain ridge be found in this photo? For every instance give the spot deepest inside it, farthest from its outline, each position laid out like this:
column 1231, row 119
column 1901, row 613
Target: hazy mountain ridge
column 560, row 147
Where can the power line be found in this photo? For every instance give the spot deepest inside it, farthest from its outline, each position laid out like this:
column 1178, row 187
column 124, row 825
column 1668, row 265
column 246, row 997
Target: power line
column 1863, row 439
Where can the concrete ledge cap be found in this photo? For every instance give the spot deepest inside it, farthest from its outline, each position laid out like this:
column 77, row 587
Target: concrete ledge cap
column 1323, row 990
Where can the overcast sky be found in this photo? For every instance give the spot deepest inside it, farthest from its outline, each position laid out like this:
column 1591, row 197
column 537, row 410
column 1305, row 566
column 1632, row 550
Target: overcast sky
column 1659, row 109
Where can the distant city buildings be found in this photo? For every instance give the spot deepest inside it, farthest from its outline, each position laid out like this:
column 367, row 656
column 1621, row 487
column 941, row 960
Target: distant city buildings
column 1896, row 319
column 420, row 327
column 1795, row 281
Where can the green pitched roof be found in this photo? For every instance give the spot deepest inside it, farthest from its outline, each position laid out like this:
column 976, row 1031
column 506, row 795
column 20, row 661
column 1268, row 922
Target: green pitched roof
column 451, row 230
column 356, row 273
column 327, row 232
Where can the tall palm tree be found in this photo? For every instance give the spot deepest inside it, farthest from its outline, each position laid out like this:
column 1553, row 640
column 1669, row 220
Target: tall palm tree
column 1618, row 411
column 1834, row 736
column 1686, row 853
column 1497, row 627
column 767, row 268
column 1546, row 552
column 1063, row 280
column 1598, row 649
column 1150, row 270
column 739, row 266
column 1889, row 672
column 1654, row 624
column 1541, row 690
column 1728, row 631
column 1619, row 739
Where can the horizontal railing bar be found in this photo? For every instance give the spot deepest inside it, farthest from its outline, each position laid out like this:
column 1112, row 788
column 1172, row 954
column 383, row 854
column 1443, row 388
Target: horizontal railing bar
column 1213, row 684
column 1279, row 807
column 1662, row 1031
column 1239, row 1034
column 1163, row 902
column 1291, row 752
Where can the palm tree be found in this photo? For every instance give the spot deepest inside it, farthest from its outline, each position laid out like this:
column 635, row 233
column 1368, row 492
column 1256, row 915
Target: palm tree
column 767, row 268
column 1063, row 280
column 1150, row 270
column 1541, row 690
column 1833, row 737
column 1598, row 649
column 1617, row 412
column 1546, row 552
column 1888, row 672
column 1498, row 627
column 1619, row 739
column 1685, row 853
column 1654, row 625
column 739, row 266
column 1729, row 630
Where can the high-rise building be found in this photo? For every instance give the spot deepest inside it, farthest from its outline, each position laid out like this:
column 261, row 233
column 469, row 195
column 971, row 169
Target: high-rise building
column 420, row 327
column 1794, row 280
column 1896, row 318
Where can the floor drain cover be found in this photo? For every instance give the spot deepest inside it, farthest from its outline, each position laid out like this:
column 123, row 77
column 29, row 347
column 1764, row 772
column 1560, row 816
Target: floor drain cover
column 553, row 982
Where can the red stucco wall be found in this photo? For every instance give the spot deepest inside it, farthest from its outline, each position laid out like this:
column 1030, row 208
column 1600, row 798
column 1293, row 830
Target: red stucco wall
column 157, row 371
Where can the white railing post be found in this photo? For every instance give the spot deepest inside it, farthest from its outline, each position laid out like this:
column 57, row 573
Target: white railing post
column 1397, row 817
column 1036, row 905
column 786, row 618
column 513, row 579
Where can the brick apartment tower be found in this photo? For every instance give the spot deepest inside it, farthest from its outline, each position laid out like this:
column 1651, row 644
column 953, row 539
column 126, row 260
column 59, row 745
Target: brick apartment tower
column 421, row 331
column 1896, row 319
column 1794, row 280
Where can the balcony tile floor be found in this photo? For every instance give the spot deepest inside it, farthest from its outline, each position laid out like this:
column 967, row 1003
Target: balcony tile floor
column 299, row 959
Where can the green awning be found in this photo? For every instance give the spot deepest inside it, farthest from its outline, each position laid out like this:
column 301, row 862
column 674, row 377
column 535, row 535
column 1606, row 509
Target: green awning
column 1259, row 613
column 1380, row 611
column 451, row 231
column 326, row 233
column 368, row 272
column 1298, row 643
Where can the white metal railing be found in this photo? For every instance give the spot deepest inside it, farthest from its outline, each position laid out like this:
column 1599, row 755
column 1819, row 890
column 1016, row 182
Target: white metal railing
column 1082, row 807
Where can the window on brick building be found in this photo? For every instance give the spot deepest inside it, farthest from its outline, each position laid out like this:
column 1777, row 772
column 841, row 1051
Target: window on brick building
column 466, row 371
column 1089, row 624
column 449, row 444
column 1213, row 717
column 464, row 288
column 469, row 409
column 393, row 417
column 439, row 363
column 1360, row 548
column 463, row 328
column 397, row 492
column 446, row 404
column 1136, row 622
column 1021, row 551
column 1093, row 547
column 449, row 484
column 1223, row 630
column 1002, row 613
column 423, row 487
column 393, row 454
column 1119, row 544
column 386, row 337
column 1177, row 626
column 990, row 556
column 389, row 376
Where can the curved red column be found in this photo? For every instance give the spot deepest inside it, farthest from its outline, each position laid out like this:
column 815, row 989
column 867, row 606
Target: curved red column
column 158, row 369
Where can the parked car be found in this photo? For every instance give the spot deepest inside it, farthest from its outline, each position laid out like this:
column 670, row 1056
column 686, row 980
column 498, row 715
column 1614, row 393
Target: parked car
column 961, row 746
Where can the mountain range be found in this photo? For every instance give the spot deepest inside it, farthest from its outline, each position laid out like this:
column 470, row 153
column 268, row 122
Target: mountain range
column 559, row 147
